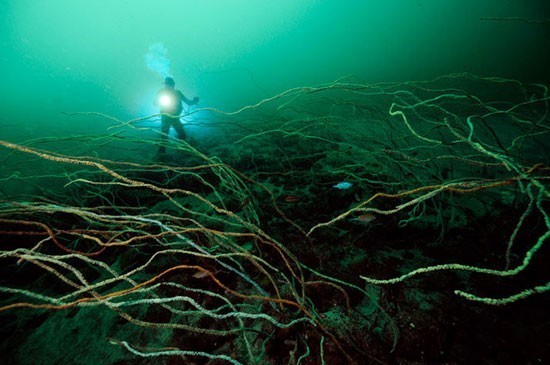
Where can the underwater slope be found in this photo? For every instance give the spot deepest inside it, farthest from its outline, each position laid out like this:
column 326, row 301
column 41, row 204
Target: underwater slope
column 339, row 223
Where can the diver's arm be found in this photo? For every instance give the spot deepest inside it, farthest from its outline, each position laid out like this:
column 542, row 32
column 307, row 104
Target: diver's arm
column 195, row 100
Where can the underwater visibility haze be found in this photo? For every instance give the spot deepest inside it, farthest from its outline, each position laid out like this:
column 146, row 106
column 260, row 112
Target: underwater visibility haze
column 291, row 182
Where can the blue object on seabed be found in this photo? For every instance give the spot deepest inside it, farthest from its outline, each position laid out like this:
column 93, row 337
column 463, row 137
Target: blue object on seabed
column 343, row 185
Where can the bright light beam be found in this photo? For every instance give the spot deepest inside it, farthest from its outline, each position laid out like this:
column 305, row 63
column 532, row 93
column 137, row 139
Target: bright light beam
column 166, row 101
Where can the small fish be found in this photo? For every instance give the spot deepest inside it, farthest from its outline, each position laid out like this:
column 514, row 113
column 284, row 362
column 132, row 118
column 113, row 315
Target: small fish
column 365, row 218
column 343, row 185
column 200, row 274
column 291, row 198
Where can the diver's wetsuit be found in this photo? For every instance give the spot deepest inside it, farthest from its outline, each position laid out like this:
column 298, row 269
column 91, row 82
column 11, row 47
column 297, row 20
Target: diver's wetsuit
column 170, row 101
column 171, row 113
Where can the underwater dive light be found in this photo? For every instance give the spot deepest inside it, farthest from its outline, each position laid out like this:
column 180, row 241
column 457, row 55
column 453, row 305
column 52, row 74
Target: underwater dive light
column 166, row 101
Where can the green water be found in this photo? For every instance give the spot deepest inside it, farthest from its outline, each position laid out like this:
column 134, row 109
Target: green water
column 89, row 56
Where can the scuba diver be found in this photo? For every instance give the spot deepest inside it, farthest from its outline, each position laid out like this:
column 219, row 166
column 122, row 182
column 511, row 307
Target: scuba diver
column 170, row 101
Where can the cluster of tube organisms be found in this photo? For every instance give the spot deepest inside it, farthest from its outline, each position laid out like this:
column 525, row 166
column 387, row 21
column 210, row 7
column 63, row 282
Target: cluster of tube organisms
column 219, row 252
